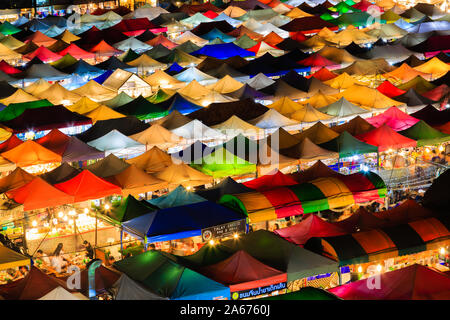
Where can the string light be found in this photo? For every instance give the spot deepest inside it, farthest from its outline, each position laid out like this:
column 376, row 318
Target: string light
column 359, row 269
column 211, row 242
column 235, row 236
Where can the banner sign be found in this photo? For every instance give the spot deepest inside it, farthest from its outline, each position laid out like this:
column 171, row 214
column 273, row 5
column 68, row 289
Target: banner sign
column 253, row 293
column 224, row 230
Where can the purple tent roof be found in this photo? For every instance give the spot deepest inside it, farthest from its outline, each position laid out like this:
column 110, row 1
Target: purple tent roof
column 77, row 150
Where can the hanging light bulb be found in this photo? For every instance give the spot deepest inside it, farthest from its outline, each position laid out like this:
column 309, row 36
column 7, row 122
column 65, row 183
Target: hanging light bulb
column 55, row 221
column 359, row 269
column 106, row 206
column 211, row 242
column 86, row 210
column 65, row 218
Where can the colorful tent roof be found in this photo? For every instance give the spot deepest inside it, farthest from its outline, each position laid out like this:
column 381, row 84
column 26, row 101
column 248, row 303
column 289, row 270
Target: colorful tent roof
column 347, row 145
column 87, row 186
column 389, row 90
column 157, row 135
column 342, row 108
column 15, row 179
column 424, row 134
column 182, row 174
column 394, row 118
column 385, row 138
column 223, row 51
column 152, row 161
column 318, row 133
column 178, row 197
column 30, row 153
column 323, row 193
column 117, row 143
column 355, row 126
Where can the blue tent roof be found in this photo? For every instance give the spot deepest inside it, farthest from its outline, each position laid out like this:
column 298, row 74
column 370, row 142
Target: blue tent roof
column 83, row 68
column 174, row 68
column 216, row 33
column 223, row 51
column 178, row 197
column 101, row 78
column 182, row 105
column 181, row 222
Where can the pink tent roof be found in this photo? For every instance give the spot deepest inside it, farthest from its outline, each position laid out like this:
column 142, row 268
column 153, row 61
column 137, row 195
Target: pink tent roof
column 76, row 52
column 415, row 282
column 394, row 118
column 316, row 60
column 270, row 181
column 309, row 227
column 385, row 138
column 44, row 54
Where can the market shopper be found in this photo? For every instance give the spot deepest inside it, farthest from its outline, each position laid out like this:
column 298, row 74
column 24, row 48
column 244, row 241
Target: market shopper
column 89, row 249
column 58, row 261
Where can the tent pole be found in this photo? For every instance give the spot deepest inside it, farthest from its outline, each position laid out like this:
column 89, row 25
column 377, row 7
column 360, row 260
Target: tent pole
column 121, row 242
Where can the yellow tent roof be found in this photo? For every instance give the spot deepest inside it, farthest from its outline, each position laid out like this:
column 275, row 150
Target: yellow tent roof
column 157, row 135
column 367, row 98
column 161, row 79
column 68, row 37
column 315, row 43
column 349, row 35
column 37, row 87
column 234, row 12
column 342, row 81
column 225, row 85
column 83, row 106
column 211, row 97
column 285, row 106
column 153, row 160
column 144, row 61
column 57, row 94
column 194, row 90
column 183, row 174
column 4, row 134
column 336, row 55
column 434, row 66
column 308, row 113
column 326, row 33
column 18, row 97
column 95, row 91
column 320, row 100
column 120, row 77
column 236, row 125
column 103, row 113
column 7, row 54
column 406, row 73
column 11, row 42
column 297, row 13
column 385, row 4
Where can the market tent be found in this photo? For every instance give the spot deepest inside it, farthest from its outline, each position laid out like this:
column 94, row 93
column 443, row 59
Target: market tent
column 87, row 186
column 323, row 74
column 160, row 274
column 408, row 211
column 307, row 151
column 413, row 99
column 38, row 194
column 144, row 63
column 320, row 100
column 10, row 143
column 414, row 282
column 132, row 44
column 318, row 133
column 77, row 150
column 95, row 91
column 285, row 106
column 347, row 145
column 435, row 67
column 38, row 71
column 103, row 113
column 142, row 109
column 57, row 94
column 342, row 81
column 119, row 100
column 68, row 37
column 157, row 135
column 385, row 138
column 437, row 93
column 163, row 41
column 394, row 118
column 323, row 193
column 152, row 161
column 245, row 42
column 424, row 134
column 182, row 174
column 30, row 153
column 14, row 110
column 225, row 85
column 342, row 108
column 241, row 272
column 108, row 166
column 128, row 209
column 35, row 285
column 355, row 126
column 387, row 32
column 280, row 139
column 14, row 180
column 37, row 87
column 272, row 119
column 270, row 181
column 178, row 197
column 40, row 39
column 223, row 51
column 55, row 141
column 59, row 293
column 234, row 126
column 128, row 289
column 431, row 116
column 318, row 170
column 367, row 68
column 192, row 73
column 83, row 69
column 310, row 226
column 226, row 186
column 161, row 79
column 418, row 83
column 189, row 36
column 173, row 120
column 11, row 259
column 260, row 81
column 66, row 61
column 43, row 54
column 405, row 73
column 268, row 249
column 116, row 143
column 366, row 97
column 60, row 174
column 18, row 97
column 135, row 181
column 196, row 130
column 104, row 49
column 389, row 90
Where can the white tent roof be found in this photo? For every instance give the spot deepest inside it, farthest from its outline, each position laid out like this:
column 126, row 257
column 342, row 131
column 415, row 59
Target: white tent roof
column 223, row 17
column 267, row 28
column 189, row 36
column 59, row 293
column 272, row 119
column 260, row 81
column 117, row 143
column 133, row 44
column 193, row 73
column 196, row 130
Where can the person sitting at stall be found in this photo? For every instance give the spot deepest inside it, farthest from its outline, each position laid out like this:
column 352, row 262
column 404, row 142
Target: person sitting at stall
column 89, row 249
column 58, row 261
column 43, row 259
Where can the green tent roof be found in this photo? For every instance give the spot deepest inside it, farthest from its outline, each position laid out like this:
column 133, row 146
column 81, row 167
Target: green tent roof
column 64, row 62
column 14, row 110
column 188, row 47
column 343, row 7
column 326, row 16
column 160, row 96
column 348, row 146
column 162, row 275
column 245, row 42
column 178, row 197
column 269, row 249
column 142, row 109
column 357, row 19
column 424, row 134
column 7, row 28
column 222, row 163
column 128, row 56
column 119, row 100
column 129, row 208
column 306, row 293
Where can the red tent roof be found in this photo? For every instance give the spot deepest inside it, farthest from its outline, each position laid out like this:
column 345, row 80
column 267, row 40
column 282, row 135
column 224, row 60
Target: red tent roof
column 39, row 194
column 323, row 74
column 316, row 60
column 55, row 141
column 363, row 5
column 388, row 89
column 385, row 138
column 135, row 27
column 309, row 227
column 7, row 68
column 240, row 268
column 437, row 93
column 210, row 14
column 76, row 52
column 394, row 118
column 9, row 144
column 104, row 49
column 43, row 54
column 35, row 285
column 257, row 46
column 298, row 36
column 362, row 220
column 87, row 186
column 163, row 41
column 408, row 211
column 415, row 282
column 270, row 181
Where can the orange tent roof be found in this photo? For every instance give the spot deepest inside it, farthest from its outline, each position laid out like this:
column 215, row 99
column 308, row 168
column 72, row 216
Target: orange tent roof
column 87, row 186
column 30, row 153
column 153, row 160
column 55, row 141
column 102, row 48
column 9, row 144
column 163, row 41
column 40, row 39
column 15, row 179
column 406, row 73
column 39, row 194
column 272, row 38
